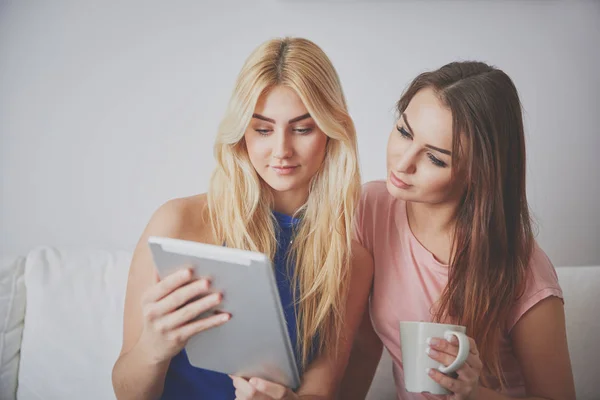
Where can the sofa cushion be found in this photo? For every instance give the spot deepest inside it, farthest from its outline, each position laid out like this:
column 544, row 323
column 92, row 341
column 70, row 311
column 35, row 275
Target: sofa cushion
column 73, row 323
column 382, row 386
column 582, row 304
column 12, row 311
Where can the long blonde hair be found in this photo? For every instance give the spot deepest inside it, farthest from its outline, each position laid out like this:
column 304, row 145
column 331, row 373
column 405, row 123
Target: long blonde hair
column 240, row 202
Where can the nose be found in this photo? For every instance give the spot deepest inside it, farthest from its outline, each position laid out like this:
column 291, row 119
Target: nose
column 282, row 147
column 406, row 163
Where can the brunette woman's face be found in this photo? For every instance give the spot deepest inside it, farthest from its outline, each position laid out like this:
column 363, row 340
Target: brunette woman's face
column 419, row 157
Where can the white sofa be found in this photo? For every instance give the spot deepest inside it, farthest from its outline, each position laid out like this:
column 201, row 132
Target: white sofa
column 61, row 321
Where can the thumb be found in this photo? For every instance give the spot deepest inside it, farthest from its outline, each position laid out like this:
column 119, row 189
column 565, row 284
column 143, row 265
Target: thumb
column 155, row 276
column 269, row 388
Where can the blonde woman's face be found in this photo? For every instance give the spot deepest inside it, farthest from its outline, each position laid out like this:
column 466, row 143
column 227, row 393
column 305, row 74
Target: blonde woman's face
column 419, row 154
column 285, row 145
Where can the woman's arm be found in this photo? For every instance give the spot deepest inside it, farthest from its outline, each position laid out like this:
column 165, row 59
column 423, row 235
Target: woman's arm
column 135, row 375
column 325, row 374
column 364, row 359
column 152, row 307
column 540, row 343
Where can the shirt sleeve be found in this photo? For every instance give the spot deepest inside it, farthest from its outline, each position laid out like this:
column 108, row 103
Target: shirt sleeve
column 541, row 283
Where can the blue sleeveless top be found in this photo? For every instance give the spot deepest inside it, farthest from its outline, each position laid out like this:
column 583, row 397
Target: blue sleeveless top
column 186, row 381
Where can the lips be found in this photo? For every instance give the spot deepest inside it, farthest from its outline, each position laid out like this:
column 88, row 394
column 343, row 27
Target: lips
column 399, row 183
column 284, row 169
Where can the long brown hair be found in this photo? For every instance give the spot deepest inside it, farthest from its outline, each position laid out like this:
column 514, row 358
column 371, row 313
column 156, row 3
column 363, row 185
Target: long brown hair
column 493, row 238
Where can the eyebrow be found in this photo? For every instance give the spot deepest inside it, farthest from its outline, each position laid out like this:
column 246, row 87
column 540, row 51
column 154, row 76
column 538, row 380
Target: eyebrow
column 448, row 152
column 291, row 121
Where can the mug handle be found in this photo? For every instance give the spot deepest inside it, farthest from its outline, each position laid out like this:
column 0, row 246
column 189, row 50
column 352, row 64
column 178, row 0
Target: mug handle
column 463, row 352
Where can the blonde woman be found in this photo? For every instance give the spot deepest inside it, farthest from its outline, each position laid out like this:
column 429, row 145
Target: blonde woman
column 286, row 184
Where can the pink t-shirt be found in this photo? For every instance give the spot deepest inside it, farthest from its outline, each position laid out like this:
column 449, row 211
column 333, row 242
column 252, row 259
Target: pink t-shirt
column 408, row 280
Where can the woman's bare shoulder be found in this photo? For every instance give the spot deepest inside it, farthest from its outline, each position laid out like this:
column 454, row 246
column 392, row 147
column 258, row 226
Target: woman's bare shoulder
column 183, row 218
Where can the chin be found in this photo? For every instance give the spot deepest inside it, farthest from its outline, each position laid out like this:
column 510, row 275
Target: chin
column 402, row 194
column 279, row 186
column 394, row 191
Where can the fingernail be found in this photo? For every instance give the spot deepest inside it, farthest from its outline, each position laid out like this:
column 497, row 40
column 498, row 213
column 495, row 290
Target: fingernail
column 429, row 371
column 432, row 341
column 431, row 352
column 252, row 381
column 226, row 317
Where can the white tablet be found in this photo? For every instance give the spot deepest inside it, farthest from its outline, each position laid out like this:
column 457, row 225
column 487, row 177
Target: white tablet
column 255, row 341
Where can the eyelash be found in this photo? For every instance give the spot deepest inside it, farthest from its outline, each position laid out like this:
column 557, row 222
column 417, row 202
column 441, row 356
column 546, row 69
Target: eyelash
column 299, row 131
column 303, row 131
column 403, row 132
column 434, row 161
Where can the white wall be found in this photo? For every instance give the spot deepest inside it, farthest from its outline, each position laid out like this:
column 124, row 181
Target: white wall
column 106, row 111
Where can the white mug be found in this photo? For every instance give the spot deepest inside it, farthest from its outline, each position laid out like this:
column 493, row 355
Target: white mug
column 416, row 361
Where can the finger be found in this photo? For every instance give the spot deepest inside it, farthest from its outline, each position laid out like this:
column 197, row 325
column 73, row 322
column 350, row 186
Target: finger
column 239, row 383
column 453, row 385
column 182, row 295
column 271, row 389
column 238, row 393
column 451, row 348
column 167, row 285
column 445, row 359
column 467, row 374
column 442, row 345
column 183, row 333
column 188, row 312
column 474, row 361
column 473, row 347
column 441, row 357
column 240, row 396
column 244, row 390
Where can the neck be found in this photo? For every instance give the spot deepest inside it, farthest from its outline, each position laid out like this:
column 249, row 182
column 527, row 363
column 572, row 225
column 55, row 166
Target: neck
column 290, row 201
column 432, row 219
